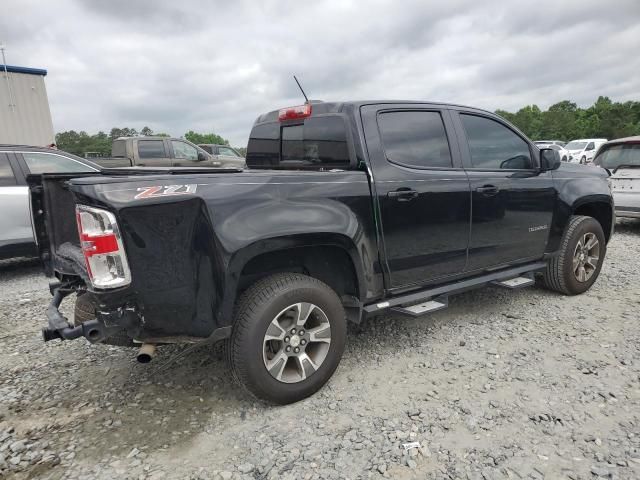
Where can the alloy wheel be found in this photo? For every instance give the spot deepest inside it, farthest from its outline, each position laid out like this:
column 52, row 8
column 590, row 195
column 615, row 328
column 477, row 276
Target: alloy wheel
column 586, row 256
column 296, row 342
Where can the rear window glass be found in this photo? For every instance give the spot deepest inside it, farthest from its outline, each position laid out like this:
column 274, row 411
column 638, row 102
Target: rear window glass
column 6, row 173
column 263, row 149
column 613, row 156
column 320, row 142
column 118, row 148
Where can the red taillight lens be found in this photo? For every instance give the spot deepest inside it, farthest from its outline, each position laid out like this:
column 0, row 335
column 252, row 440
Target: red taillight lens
column 291, row 113
column 102, row 247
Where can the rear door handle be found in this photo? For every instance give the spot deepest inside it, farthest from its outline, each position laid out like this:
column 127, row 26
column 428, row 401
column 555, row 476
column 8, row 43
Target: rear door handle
column 403, row 194
column 488, row 190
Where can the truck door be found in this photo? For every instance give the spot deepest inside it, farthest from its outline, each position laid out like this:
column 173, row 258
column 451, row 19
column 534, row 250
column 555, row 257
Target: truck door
column 421, row 189
column 15, row 223
column 512, row 202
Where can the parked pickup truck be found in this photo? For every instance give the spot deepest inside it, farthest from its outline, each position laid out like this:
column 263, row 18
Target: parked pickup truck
column 348, row 210
column 160, row 152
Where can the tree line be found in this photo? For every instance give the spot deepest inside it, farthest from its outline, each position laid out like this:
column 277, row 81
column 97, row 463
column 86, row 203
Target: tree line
column 561, row 121
column 99, row 144
column 566, row 121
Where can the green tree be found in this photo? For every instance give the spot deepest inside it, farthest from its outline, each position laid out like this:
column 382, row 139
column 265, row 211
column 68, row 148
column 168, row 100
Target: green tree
column 146, row 132
column 195, row 137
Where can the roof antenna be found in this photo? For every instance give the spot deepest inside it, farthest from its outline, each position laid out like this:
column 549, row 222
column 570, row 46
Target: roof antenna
column 300, row 87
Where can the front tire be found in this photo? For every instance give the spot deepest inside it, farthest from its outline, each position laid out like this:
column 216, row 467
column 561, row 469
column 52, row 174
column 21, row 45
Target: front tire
column 578, row 264
column 583, row 161
column 288, row 337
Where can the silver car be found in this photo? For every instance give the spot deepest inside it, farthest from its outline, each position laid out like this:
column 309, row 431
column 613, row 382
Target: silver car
column 622, row 158
column 16, row 162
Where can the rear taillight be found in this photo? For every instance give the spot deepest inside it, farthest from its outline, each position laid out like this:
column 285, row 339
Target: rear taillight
column 102, row 247
column 291, row 113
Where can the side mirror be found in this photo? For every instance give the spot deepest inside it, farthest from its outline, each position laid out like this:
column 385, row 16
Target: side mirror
column 549, row 159
column 201, row 157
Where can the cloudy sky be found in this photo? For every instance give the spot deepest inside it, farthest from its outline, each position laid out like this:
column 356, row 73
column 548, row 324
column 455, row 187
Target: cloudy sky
column 215, row 65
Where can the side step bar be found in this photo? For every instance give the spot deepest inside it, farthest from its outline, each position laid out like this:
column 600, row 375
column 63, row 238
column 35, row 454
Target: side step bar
column 419, row 303
column 515, row 283
column 423, row 308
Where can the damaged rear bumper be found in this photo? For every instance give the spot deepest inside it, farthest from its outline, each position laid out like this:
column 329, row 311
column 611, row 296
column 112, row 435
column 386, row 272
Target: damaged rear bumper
column 58, row 327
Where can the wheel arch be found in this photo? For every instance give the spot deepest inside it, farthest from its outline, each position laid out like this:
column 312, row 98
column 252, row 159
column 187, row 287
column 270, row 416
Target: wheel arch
column 601, row 211
column 332, row 258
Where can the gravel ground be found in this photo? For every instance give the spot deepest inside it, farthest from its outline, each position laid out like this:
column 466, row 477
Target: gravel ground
column 524, row 384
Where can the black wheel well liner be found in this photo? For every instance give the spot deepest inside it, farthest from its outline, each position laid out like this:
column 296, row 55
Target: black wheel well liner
column 601, row 211
column 330, row 264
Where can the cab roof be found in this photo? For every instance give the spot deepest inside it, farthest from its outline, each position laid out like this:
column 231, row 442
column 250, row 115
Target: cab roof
column 321, row 107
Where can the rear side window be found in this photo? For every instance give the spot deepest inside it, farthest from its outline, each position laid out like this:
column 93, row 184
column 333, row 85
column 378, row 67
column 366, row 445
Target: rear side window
column 319, row 142
column 415, row 139
column 53, row 163
column 151, row 149
column 493, row 146
column 6, row 172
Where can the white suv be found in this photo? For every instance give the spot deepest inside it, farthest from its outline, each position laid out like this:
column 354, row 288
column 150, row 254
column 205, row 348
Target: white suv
column 583, row 150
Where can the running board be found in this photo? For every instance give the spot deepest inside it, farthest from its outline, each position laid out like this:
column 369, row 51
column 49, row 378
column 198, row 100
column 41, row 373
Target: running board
column 515, row 283
column 501, row 278
column 423, row 308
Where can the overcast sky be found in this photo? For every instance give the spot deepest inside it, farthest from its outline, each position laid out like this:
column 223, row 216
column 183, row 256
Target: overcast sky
column 205, row 65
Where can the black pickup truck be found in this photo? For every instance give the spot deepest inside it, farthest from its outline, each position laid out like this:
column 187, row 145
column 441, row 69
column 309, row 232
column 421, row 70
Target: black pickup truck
column 347, row 210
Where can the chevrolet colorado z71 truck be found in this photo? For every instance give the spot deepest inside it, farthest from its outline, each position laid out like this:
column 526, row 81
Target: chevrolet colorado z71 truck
column 347, row 210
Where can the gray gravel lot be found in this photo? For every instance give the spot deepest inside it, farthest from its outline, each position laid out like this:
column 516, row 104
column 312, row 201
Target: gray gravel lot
column 525, row 384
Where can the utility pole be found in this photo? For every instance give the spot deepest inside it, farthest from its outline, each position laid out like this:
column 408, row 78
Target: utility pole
column 12, row 105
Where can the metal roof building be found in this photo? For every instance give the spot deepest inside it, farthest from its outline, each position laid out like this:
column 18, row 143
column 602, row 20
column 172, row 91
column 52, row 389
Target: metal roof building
column 25, row 117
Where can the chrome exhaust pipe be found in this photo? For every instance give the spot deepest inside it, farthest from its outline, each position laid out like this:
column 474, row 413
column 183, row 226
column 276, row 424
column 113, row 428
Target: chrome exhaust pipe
column 146, row 353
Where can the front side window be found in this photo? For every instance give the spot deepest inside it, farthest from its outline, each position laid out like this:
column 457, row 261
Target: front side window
column 495, row 147
column 151, row 149
column 6, row 172
column 230, row 152
column 53, row 163
column 591, row 146
column 415, row 139
column 184, row 150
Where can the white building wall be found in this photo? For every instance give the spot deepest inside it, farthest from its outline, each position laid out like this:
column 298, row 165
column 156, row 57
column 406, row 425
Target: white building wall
column 29, row 121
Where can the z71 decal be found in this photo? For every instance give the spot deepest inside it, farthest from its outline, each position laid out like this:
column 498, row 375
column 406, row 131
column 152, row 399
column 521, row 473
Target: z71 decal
column 165, row 190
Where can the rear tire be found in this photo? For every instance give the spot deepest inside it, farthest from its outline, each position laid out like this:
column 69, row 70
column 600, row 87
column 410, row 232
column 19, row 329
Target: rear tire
column 578, row 264
column 85, row 310
column 275, row 316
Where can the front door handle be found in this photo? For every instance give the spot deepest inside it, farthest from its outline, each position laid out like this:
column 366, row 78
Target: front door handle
column 403, row 194
column 488, row 190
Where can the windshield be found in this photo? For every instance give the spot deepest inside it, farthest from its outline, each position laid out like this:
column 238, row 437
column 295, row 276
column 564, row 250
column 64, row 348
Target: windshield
column 613, row 156
column 576, row 145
